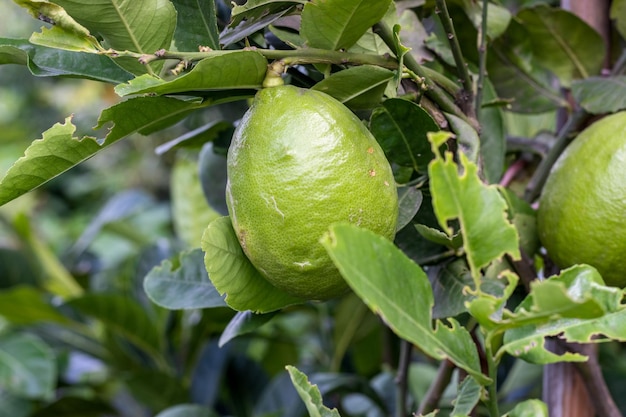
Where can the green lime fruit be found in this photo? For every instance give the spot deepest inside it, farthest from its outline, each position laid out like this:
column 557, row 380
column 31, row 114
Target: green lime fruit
column 298, row 162
column 582, row 209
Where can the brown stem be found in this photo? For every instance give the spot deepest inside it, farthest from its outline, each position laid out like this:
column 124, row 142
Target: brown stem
column 432, row 397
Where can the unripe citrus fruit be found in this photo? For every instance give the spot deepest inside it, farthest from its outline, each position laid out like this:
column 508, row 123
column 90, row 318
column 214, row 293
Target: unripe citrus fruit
column 582, row 209
column 298, row 162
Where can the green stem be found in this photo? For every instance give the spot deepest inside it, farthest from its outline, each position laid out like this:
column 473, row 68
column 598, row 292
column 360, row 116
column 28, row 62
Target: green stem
column 482, row 58
column 492, row 389
column 434, row 92
column 290, row 57
column 461, row 66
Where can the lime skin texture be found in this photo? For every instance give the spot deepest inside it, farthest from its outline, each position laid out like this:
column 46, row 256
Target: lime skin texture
column 582, row 209
column 298, row 162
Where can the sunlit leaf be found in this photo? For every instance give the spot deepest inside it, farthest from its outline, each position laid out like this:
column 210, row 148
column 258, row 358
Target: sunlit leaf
column 183, row 284
column 234, row 275
column 27, row 366
column 310, row 395
column 234, row 70
column 338, row 24
column 600, row 95
column 479, row 208
column 404, row 302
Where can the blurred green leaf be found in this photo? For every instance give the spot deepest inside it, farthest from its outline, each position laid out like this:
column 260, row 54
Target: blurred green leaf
column 359, row 87
column 27, row 366
column 479, row 208
column 46, row 62
column 310, row 395
column 409, row 202
column 152, row 27
column 156, row 389
column 467, row 398
column 233, row 70
column 338, row 24
column 187, row 410
column 23, row 305
column 618, row 14
column 196, row 25
column 492, row 136
column 190, row 211
column 14, row 405
column 244, row 322
column 529, row 408
column 600, row 95
column 234, row 275
column 562, row 42
column 70, row 406
column 466, row 137
column 183, row 284
column 213, row 178
column 401, row 128
column 124, row 316
column 405, row 302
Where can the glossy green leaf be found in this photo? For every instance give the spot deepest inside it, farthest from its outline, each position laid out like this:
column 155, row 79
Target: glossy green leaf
column 190, row 211
column 409, row 202
column 517, row 75
column 27, row 366
column 187, row 410
column 479, row 208
column 123, row 316
column 310, row 394
column 46, row 62
column 244, row 322
column 359, row 87
column 529, row 408
column 142, row 26
column 196, row 25
column 563, row 43
column 574, row 305
column 441, row 238
column 232, row 70
column 12, row 307
column 401, row 128
column 338, row 24
column 182, row 283
column 404, row 302
column 468, row 396
column 235, row 276
column 59, row 150
column 492, row 136
column 600, row 95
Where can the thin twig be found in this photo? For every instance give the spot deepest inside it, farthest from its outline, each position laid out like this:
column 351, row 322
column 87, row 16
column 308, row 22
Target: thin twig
column 461, row 66
column 406, row 349
column 436, row 389
column 482, row 59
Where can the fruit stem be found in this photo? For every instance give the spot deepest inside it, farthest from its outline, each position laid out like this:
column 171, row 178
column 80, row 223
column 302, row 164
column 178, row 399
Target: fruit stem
column 536, row 183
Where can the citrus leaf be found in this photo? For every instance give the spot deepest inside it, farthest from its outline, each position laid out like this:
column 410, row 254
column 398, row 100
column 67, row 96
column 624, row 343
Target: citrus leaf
column 182, row 284
column 600, row 95
column 310, row 394
column 256, row 20
column 190, row 211
column 244, row 322
column 56, row 37
column 59, row 150
column 467, row 397
column 401, row 128
column 479, row 208
column 46, row 62
column 618, row 14
column 338, row 24
column 122, row 315
column 359, row 87
column 492, row 136
column 234, row 70
column 437, row 236
column 367, row 262
column 562, row 42
column 13, row 300
column 409, row 202
column 28, row 366
column 15, row 405
column 213, row 178
column 187, row 410
column 466, row 137
column 234, row 275
column 196, row 25
column 574, row 305
column 142, row 26
column 255, row 9
column 529, row 408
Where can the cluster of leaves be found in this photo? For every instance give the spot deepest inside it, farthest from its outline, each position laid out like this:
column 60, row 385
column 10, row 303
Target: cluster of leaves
column 442, row 86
